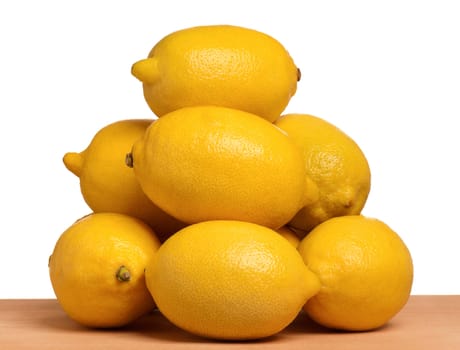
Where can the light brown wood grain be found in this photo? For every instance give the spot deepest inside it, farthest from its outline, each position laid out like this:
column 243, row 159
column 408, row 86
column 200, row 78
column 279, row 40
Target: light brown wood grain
column 426, row 322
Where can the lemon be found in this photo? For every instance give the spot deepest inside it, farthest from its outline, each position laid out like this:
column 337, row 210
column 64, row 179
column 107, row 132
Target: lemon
column 97, row 269
column 229, row 280
column 107, row 185
column 289, row 234
column 335, row 163
column 365, row 270
column 220, row 65
column 209, row 163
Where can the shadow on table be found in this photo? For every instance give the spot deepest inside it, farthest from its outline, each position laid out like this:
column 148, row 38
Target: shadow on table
column 155, row 326
column 303, row 324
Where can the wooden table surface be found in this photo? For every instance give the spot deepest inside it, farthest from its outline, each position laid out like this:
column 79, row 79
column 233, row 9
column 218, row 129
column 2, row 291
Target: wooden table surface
column 426, row 322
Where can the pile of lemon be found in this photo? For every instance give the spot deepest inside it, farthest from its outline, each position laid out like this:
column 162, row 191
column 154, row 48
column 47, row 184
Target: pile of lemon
column 224, row 214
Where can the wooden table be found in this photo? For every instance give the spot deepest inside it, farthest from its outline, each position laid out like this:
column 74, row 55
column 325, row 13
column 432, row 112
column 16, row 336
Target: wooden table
column 426, row 322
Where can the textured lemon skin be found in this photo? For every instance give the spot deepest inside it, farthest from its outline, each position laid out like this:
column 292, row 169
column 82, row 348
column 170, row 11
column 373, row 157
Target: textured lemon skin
column 209, row 163
column 108, row 185
column 335, row 163
column 229, row 280
column 365, row 269
column 218, row 65
column 84, row 264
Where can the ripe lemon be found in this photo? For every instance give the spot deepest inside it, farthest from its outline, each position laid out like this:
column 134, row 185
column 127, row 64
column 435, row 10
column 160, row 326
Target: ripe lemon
column 209, row 163
column 365, row 270
column 107, row 185
column 335, row 163
column 97, row 269
column 289, row 234
column 218, row 65
column 229, row 280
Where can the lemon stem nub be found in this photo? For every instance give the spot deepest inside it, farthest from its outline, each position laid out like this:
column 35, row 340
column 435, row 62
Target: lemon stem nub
column 123, row 274
column 129, row 160
column 299, row 74
column 146, row 70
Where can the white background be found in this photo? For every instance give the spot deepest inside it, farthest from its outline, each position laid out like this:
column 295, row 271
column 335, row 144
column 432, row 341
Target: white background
column 386, row 72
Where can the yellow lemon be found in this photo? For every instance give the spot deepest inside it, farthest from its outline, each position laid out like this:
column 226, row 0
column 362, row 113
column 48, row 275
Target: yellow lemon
column 107, row 185
column 365, row 270
column 220, row 65
column 289, row 234
column 335, row 163
column 229, row 280
column 208, row 163
column 97, row 269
